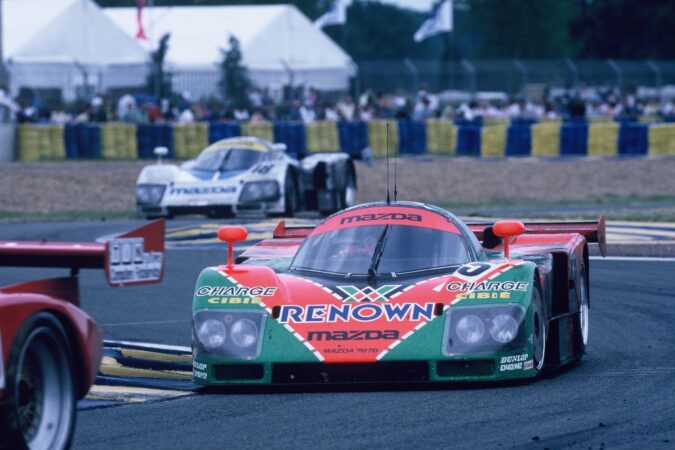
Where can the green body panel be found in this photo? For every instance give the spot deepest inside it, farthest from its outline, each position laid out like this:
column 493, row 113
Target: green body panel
column 280, row 345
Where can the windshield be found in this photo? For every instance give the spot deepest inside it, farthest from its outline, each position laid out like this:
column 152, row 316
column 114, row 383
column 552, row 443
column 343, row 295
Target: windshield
column 227, row 159
column 405, row 249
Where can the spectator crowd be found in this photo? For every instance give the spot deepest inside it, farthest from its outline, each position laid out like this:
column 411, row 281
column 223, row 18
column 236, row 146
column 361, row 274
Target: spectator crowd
column 311, row 105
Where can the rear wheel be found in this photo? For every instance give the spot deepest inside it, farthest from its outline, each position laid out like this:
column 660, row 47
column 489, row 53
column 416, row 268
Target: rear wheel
column 538, row 329
column 290, row 195
column 581, row 327
column 41, row 393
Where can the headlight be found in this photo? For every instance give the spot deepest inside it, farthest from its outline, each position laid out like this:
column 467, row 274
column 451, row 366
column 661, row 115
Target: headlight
column 489, row 328
column 211, row 333
column 149, row 193
column 503, row 328
column 470, row 329
column 229, row 333
column 259, row 191
column 244, row 333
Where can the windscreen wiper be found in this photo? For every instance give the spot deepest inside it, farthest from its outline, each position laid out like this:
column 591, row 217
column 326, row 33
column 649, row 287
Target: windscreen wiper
column 377, row 254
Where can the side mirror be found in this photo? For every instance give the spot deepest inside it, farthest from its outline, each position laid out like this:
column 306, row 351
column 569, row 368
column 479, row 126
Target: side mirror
column 159, row 152
column 231, row 234
column 506, row 229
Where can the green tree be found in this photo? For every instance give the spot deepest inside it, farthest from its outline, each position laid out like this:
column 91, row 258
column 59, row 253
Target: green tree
column 158, row 80
column 234, row 81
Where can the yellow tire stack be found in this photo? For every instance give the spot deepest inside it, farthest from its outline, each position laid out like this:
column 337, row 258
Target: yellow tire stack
column 603, row 138
column 118, row 141
column 190, row 139
column 546, row 139
column 377, row 137
column 661, row 139
column 322, row 137
column 41, row 142
column 441, row 137
column 260, row 130
column 493, row 140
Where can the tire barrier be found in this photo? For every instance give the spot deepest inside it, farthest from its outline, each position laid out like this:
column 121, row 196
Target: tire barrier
column 632, row 139
column 377, row 137
column 546, row 139
column 218, row 131
column 41, row 143
column 353, row 137
column 662, row 139
column 493, row 140
column 322, row 137
column 412, row 137
column 293, row 135
column 151, row 136
column 118, row 141
column 190, row 139
column 441, row 137
column 601, row 138
column 83, row 141
column 263, row 130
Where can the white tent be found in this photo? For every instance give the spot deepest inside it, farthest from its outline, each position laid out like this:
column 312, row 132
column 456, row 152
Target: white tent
column 280, row 46
column 80, row 47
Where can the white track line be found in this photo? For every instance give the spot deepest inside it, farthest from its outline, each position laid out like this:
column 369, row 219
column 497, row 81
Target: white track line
column 146, row 345
column 632, row 258
column 155, row 322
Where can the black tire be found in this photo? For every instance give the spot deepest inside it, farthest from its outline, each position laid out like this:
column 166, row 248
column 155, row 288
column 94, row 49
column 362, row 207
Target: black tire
column 581, row 325
column 41, row 389
column 290, row 195
column 348, row 193
column 539, row 329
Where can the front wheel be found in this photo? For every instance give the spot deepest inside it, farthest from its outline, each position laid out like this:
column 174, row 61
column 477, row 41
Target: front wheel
column 538, row 329
column 41, row 394
column 581, row 327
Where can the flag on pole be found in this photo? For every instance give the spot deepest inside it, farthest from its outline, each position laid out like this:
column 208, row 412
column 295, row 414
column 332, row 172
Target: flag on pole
column 140, row 4
column 336, row 15
column 440, row 23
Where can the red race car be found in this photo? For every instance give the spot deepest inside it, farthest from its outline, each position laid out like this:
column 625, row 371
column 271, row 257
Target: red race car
column 49, row 348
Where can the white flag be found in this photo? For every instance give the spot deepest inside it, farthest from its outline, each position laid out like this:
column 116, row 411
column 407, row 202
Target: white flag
column 336, row 15
column 440, row 23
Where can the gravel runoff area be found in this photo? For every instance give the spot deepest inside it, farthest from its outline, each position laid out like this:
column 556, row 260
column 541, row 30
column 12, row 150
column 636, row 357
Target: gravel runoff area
column 47, row 187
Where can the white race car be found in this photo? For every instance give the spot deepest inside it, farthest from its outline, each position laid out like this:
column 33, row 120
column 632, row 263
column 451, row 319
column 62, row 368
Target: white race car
column 246, row 173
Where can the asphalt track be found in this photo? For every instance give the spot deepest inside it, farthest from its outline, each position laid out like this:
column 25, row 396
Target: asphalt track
column 622, row 395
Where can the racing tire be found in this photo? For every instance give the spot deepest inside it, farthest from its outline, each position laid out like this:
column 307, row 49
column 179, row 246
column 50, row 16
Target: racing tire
column 41, row 392
column 291, row 202
column 539, row 329
column 346, row 195
column 581, row 326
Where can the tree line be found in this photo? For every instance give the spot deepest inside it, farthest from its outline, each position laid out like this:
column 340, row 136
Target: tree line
column 621, row 29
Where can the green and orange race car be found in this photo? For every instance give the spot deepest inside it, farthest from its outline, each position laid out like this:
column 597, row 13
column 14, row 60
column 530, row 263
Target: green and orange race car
column 395, row 292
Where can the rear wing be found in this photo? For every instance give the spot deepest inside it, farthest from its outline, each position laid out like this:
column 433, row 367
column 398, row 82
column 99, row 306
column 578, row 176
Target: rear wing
column 132, row 258
column 592, row 230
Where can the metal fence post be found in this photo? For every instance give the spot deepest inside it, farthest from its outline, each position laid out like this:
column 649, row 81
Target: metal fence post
column 619, row 74
column 414, row 72
column 657, row 72
column 471, row 74
column 575, row 71
column 523, row 72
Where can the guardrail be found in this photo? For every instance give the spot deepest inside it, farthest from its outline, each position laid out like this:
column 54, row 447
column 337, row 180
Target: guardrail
column 434, row 137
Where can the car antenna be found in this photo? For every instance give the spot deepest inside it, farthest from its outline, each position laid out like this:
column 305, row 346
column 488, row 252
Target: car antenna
column 388, row 200
column 396, row 149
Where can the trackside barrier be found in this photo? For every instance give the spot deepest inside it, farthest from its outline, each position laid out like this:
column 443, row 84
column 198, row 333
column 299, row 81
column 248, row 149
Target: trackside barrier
column 41, row 142
column 190, row 139
column 262, row 130
column 493, row 140
column 662, row 139
column 412, row 137
column 546, row 139
column 218, row 131
column 151, row 136
column 603, row 138
column 468, row 140
column 322, row 137
column 573, row 138
column 377, row 137
column 83, row 141
column 118, row 141
column 293, row 135
column 441, row 137
column 353, row 137
column 632, row 139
